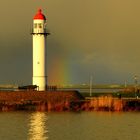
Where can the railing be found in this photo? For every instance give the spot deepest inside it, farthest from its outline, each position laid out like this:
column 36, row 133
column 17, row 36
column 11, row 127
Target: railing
column 40, row 31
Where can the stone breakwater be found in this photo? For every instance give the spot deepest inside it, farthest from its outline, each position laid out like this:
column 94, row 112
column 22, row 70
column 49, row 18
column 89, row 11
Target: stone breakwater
column 107, row 103
column 37, row 100
column 63, row 101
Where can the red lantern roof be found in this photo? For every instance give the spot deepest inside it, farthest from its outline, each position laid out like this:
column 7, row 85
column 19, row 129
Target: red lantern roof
column 39, row 15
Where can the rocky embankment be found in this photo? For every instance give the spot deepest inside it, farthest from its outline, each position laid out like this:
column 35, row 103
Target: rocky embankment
column 62, row 101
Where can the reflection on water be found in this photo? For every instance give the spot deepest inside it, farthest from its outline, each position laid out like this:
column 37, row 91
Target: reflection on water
column 70, row 126
column 37, row 126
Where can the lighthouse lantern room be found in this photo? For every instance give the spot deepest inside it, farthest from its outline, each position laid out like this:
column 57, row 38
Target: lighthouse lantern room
column 39, row 34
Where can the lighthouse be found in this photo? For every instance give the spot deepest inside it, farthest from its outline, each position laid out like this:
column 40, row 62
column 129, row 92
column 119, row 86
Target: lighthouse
column 39, row 35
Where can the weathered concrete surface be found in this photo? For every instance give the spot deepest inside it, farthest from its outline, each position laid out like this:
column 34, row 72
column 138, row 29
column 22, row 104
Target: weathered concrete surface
column 37, row 100
column 63, row 101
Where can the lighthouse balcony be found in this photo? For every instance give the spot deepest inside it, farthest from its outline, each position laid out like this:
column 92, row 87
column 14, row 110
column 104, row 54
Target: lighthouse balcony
column 38, row 31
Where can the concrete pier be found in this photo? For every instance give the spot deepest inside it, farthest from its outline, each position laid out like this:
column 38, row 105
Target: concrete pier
column 63, row 101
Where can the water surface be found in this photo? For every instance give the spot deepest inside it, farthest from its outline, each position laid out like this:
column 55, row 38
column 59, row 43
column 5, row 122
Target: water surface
column 69, row 126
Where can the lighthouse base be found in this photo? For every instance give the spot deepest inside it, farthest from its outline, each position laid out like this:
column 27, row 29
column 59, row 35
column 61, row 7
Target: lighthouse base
column 40, row 81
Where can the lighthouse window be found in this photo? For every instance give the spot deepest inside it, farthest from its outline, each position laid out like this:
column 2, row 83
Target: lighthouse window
column 40, row 25
column 35, row 25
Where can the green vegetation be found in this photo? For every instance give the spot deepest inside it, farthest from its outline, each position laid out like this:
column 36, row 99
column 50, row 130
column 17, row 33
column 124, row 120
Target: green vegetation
column 125, row 95
column 100, row 86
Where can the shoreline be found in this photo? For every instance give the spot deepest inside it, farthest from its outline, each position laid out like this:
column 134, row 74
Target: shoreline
column 63, row 101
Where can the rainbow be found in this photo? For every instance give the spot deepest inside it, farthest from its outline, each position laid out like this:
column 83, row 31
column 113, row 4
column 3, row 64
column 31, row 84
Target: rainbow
column 59, row 73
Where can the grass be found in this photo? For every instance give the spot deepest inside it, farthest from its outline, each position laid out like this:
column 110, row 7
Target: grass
column 117, row 94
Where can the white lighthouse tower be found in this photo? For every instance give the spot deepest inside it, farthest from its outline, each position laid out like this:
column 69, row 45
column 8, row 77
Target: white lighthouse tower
column 39, row 34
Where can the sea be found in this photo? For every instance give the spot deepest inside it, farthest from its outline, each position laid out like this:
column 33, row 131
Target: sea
column 69, row 125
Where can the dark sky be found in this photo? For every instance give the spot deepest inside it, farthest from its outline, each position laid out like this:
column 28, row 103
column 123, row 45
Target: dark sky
column 92, row 37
